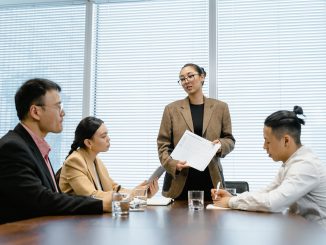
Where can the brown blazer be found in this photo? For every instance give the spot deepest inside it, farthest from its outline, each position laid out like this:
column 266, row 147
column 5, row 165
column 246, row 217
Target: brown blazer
column 175, row 121
column 78, row 176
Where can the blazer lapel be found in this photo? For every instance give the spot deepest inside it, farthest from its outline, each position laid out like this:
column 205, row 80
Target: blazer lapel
column 44, row 167
column 186, row 113
column 104, row 181
column 90, row 167
column 208, row 111
column 40, row 162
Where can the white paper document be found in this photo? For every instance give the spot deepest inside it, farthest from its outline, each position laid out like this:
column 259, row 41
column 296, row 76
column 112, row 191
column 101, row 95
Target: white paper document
column 212, row 206
column 197, row 151
column 159, row 201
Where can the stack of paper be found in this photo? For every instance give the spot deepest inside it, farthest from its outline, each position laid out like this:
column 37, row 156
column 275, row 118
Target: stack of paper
column 159, row 201
column 212, row 206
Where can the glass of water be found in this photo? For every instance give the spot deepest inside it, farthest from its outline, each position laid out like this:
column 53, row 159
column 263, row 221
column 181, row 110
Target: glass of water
column 139, row 201
column 196, row 200
column 120, row 204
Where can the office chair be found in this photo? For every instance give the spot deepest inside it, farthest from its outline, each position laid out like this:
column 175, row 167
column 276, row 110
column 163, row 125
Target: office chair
column 240, row 186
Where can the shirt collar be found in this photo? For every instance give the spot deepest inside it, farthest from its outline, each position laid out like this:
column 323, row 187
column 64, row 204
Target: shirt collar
column 41, row 144
column 289, row 161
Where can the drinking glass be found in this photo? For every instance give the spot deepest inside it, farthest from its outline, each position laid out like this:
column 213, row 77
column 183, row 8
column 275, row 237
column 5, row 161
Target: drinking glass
column 196, row 200
column 139, row 201
column 120, row 204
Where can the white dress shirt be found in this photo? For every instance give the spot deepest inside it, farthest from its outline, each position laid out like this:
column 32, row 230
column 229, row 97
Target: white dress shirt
column 300, row 185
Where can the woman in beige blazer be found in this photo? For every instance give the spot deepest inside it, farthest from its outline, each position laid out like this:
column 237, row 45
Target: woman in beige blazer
column 83, row 173
column 208, row 118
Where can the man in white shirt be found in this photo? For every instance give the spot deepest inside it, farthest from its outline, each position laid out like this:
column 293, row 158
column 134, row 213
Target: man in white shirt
column 300, row 184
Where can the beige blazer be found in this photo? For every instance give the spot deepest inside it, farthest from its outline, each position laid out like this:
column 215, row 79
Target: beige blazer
column 79, row 178
column 175, row 121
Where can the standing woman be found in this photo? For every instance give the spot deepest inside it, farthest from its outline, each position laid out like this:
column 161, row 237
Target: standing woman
column 208, row 118
column 83, row 172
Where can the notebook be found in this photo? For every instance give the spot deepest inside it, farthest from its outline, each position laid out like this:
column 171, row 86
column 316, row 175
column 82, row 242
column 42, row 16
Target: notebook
column 159, row 201
column 212, row 206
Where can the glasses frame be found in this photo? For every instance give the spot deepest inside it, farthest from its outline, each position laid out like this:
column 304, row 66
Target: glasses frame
column 58, row 107
column 189, row 78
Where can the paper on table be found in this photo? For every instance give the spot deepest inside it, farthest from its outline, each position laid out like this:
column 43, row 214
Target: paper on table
column 212, row 206
column 159, row 201
column 197, row 151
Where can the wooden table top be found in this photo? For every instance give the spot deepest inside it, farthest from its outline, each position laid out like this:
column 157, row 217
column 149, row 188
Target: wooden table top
column 173, row 224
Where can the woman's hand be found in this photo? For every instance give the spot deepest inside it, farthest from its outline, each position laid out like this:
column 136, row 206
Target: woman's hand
column 220, row 198
column 181, row 165
column 107, row 202
column 217, row 141
column 152, row 188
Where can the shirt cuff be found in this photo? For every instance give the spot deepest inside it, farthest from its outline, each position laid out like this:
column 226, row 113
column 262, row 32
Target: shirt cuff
column 232, row 202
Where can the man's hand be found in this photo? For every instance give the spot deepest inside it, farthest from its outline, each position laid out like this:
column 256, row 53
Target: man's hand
column 221, row 198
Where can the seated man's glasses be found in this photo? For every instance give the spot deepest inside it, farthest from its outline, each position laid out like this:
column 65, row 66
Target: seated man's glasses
column 58, row 106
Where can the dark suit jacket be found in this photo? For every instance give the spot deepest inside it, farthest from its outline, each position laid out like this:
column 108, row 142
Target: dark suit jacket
column 175, row 121
column 26, row 186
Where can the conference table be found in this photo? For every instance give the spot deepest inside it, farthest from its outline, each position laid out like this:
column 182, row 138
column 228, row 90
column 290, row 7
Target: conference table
column 172, row 224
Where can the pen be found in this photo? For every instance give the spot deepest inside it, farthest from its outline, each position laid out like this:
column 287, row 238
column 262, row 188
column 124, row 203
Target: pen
column 217, row 187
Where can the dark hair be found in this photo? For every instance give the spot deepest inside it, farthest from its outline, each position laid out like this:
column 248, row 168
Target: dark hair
column 32, row 92
column 288, row 122
column 85, row 130
column 199, row 70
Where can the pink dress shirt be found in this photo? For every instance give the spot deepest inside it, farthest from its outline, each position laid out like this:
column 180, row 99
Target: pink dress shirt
column 45, row 149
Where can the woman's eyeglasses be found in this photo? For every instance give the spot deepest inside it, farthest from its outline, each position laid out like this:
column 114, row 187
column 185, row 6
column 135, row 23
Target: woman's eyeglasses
column 189, row 78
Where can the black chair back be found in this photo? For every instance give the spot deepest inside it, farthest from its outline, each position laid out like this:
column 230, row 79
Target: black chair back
column 240, row 186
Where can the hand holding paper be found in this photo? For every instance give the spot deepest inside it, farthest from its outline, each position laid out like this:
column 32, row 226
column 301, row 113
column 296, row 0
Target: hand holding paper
column 181, row 165
column 156, row 174
column 195, row 150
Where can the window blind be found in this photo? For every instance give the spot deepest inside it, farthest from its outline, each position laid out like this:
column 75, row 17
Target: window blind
column 139, row 49
column 271, row 56
column 43, row 40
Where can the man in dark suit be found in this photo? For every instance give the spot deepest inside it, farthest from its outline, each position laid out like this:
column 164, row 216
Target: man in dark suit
column 27, row 185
